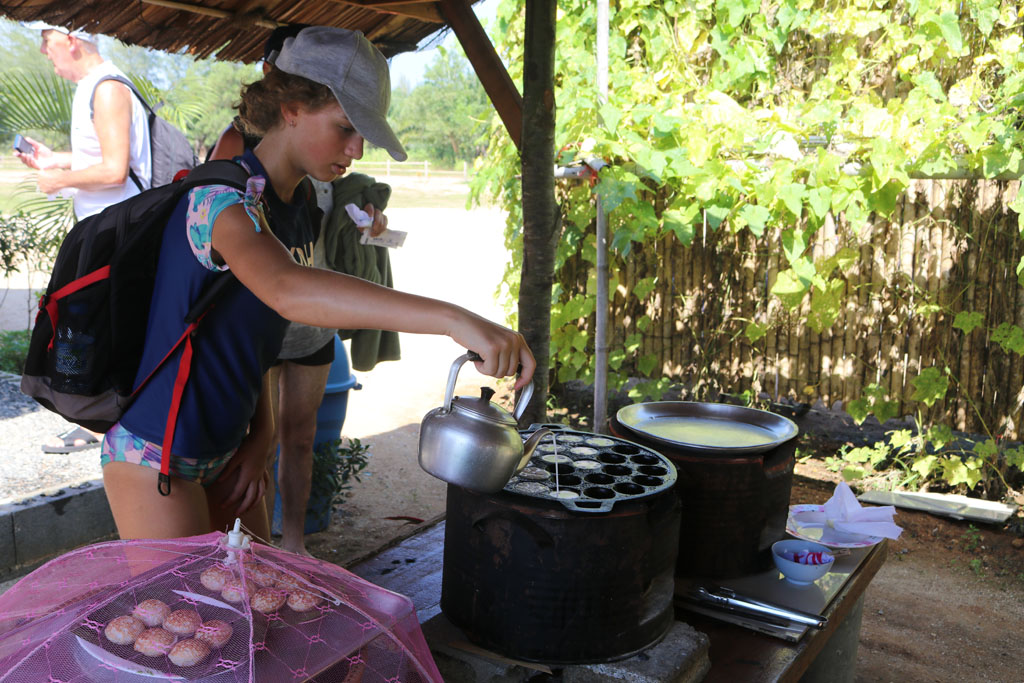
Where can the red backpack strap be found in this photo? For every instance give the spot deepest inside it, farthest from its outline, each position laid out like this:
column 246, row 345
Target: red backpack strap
column 184, row 370
column 180, row 380
column 49, row 302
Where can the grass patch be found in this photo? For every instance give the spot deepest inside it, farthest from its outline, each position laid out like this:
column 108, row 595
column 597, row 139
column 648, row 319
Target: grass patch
column 13, row 349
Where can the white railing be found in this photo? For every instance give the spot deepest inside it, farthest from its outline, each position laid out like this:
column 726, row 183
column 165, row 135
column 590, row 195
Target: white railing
column 417, row 169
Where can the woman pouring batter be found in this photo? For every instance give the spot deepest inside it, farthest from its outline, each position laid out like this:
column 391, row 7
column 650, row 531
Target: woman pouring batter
column 328, row 91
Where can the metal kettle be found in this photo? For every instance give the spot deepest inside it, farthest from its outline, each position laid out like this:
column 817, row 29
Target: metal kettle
column 473, row 443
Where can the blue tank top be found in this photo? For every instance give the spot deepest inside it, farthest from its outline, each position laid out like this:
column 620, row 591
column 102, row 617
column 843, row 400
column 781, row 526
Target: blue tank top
column 236, row 343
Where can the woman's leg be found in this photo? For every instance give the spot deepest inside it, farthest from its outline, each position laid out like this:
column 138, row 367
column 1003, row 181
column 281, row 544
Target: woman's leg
column 301, row 390
column 141, row 512
column 273, row 384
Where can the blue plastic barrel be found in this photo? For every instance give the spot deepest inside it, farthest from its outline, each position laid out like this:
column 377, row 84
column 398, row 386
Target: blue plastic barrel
column 331, row 416
column 330, row 419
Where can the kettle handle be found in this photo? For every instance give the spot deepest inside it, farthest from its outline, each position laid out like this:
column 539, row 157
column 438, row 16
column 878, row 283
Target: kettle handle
column 453, row 374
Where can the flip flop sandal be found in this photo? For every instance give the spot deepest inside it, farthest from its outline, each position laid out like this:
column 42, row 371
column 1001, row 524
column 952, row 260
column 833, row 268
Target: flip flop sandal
column 69, row 438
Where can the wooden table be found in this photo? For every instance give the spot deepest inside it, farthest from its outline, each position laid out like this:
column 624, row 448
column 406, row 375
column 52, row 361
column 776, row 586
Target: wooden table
column 412, row 567
column 829, row 654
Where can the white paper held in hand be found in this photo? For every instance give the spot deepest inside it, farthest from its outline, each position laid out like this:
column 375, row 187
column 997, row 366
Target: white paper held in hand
column 358, row 216
column 392, row 239
column 389, row 238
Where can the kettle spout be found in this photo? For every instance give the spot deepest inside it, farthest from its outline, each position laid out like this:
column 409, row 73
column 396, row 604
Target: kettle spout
column 530, row 446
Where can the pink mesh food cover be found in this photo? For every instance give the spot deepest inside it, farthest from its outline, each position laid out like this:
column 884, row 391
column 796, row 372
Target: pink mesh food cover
column 195, row 610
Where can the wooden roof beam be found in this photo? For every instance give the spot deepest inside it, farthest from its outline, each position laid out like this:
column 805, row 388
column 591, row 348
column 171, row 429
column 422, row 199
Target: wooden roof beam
column 208, row 11
column 424, row 10
column 492, row 73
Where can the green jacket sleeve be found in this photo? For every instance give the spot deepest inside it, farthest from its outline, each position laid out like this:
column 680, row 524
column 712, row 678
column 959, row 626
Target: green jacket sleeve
column 345, row 254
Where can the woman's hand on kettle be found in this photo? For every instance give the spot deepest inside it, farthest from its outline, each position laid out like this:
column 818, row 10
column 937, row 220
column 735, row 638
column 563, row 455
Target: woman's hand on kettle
column 503, row 351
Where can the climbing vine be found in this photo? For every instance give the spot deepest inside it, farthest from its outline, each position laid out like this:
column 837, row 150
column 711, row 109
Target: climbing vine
column 739, row 116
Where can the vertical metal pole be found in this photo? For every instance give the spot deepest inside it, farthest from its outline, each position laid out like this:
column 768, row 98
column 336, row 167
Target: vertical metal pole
column 601, row 308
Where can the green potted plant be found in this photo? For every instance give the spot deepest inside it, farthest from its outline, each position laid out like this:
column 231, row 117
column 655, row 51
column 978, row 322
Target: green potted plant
column 335, row 464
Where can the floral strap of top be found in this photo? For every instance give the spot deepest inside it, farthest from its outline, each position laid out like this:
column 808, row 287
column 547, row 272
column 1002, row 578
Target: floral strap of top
column 204, row 206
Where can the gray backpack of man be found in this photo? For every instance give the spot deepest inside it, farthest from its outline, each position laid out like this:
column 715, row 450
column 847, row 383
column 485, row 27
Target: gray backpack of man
column 170, row 149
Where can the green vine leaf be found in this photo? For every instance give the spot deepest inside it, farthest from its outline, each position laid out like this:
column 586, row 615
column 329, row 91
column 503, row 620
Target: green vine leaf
column 754, row 331
column 792, row 195
column 1015, row 458
column 853, row 473
column 987, row 449
column 930, row 386
column 958, row 471
column 1009, row 337
column 681, row 222
column 968, row 321
column 858, row 409
column 901, row 440
column 646, row 364
column 873, row 401
column 790, row 289
column 939, row 435
column 826, row 303
column 820, row 201
column 924, row 465
column 756, row 217
column 645, row 287
column 715, row 215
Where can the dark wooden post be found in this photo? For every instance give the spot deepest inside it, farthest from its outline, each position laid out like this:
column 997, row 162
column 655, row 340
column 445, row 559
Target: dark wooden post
column 541, row 220
column 489, row 69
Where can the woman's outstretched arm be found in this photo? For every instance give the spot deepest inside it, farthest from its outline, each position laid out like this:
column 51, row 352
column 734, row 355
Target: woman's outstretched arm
column 328, row 299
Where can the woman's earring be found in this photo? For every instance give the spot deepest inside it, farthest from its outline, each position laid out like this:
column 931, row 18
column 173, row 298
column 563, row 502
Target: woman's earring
column 292, row 123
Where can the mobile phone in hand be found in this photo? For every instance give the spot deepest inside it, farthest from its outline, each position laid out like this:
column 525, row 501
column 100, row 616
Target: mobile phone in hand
column 23, row 145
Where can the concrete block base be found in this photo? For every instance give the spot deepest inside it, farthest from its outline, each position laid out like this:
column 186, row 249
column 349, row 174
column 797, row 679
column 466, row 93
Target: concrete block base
column 37, row 529
column 680, row 657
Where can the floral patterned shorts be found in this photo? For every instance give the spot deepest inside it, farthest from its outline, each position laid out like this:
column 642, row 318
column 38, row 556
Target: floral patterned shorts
column 120, row 445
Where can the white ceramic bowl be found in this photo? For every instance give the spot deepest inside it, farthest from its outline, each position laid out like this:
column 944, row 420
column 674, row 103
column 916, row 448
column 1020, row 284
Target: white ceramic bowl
column 800, row 574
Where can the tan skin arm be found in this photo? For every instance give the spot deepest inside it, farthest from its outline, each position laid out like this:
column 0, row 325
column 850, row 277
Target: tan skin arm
column 43, row 157
column 229, row 145
column 112, row 117
column 327, row 299
column 244, row 478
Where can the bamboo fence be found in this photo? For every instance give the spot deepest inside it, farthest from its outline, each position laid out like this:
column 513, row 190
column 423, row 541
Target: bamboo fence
column 953, row 246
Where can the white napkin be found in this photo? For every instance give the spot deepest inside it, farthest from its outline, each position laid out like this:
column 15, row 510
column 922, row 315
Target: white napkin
column 843, row 513
column 358, row 216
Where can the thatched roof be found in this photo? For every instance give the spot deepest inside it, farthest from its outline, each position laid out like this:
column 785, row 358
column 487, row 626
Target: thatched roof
column 236, row 29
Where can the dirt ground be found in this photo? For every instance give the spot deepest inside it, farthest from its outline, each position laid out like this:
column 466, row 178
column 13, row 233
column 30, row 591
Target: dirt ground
column 930, row 614
column 948, row 605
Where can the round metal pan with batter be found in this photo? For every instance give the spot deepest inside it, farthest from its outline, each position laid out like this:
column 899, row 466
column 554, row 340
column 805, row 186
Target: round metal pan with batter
column 707, row 427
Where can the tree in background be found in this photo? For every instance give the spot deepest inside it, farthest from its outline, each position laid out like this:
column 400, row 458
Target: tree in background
column 445, row 117
column 216, row 86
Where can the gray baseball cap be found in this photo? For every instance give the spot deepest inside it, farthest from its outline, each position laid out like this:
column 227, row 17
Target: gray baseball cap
column 355, row 71
column 74, row 33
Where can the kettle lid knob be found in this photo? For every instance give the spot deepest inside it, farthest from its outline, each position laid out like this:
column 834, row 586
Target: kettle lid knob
column 486, row 393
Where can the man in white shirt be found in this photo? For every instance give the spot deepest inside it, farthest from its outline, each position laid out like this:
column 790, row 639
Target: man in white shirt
column 109, row 129
column 110, row 159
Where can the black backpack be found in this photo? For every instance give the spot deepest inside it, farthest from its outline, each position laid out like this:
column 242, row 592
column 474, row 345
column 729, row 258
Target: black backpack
column 169, row 148
column 88, row 336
